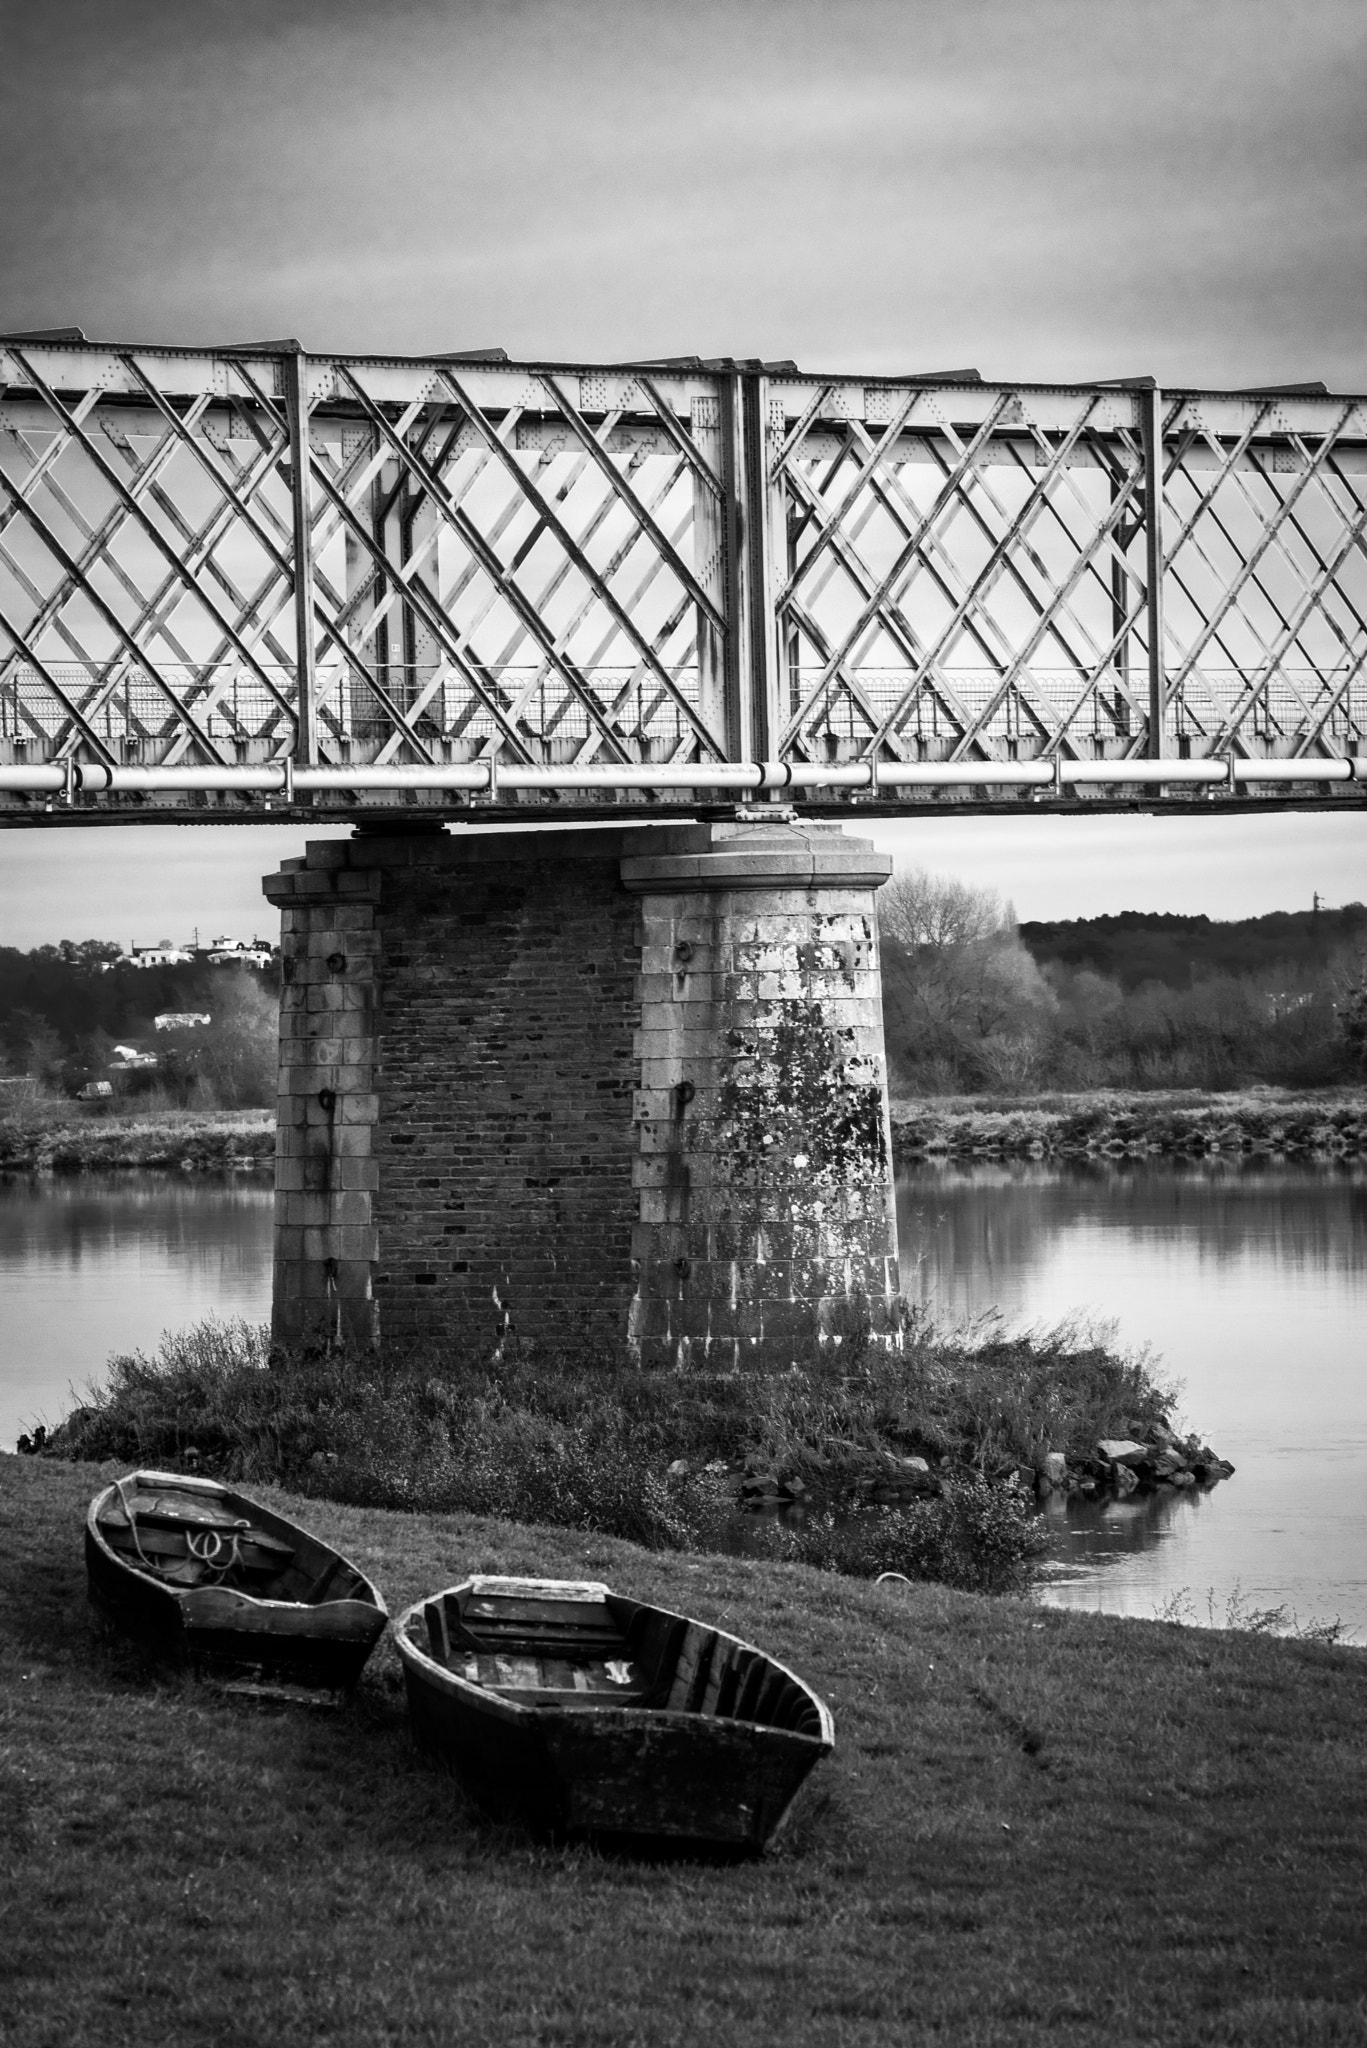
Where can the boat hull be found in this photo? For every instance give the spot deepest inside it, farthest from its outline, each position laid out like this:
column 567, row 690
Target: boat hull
column 224, row 1632
column 650, row 1775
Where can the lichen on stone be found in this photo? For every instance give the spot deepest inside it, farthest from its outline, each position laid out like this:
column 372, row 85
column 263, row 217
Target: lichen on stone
column 793, row 1088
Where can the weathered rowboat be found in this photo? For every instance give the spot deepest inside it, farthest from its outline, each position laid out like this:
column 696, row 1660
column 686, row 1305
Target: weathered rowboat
column 581, row 1712
column 213, row 1578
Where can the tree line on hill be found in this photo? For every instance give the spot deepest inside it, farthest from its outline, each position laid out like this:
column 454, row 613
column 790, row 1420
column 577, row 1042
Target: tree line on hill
column 66, row 1009
column 975, row 1003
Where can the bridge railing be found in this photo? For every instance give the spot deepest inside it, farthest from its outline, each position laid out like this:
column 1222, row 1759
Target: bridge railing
column 297, row 568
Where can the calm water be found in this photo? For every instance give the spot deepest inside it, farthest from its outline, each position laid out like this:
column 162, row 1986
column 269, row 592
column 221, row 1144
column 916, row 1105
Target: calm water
column 1249, row 1283
column 1248, row 1280
column 105, row 1262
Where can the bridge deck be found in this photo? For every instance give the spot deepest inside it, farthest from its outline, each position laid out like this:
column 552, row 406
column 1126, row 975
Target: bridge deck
column 240, row 581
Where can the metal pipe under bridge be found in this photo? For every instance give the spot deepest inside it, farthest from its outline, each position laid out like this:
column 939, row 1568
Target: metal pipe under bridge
column 244, row 581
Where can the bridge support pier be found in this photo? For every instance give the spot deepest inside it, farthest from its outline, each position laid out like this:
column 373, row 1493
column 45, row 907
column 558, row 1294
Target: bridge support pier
column 622, row 1079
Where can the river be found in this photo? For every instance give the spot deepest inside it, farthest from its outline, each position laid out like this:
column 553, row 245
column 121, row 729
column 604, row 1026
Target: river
column 1247, row 1278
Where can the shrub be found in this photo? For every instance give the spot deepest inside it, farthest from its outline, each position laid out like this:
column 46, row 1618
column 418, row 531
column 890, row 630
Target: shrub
column 977, row 1537
column 582, row 1437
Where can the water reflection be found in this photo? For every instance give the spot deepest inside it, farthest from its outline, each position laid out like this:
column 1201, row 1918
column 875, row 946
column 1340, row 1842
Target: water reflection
column 1249, row 1281
column 1248, row 1278
column 959, row 1223
column 1085, row 1531
column 106, row 1262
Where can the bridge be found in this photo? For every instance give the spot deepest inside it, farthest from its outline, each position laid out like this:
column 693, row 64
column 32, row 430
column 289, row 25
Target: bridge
column 631, row 1075
column 247, row 581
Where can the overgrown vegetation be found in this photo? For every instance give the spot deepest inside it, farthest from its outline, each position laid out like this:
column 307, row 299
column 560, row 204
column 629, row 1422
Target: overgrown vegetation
column 1038, row 1829
column 581, row 1438
column 972, row 1003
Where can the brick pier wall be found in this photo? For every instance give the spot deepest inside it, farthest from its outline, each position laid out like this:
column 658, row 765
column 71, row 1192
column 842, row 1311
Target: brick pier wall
column 630, row 1079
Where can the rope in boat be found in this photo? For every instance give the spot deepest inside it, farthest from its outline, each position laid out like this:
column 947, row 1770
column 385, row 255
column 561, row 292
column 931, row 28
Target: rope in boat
column 205, row 1546
column 144, row 1559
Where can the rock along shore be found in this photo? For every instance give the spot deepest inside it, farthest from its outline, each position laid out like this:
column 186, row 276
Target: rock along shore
column 1115, row 1465
column 1111, row 1126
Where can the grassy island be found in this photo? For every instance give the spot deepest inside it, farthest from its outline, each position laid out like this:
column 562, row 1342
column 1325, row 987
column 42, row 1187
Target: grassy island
column 921, row 1457
column 1037, row 1828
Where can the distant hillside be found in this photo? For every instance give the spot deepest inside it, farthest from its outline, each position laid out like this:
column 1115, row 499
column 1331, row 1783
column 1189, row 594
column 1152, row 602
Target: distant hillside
column 1136, row 946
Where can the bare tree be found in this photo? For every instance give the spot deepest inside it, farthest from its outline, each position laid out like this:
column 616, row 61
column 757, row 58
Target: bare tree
column 963, row 1001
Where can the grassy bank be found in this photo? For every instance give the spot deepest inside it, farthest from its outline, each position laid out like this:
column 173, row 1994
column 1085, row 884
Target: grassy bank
column 59, row 1136
column 1037, row 1828
column 1105, row 1123
column 66, row 1137
column 582, row 1437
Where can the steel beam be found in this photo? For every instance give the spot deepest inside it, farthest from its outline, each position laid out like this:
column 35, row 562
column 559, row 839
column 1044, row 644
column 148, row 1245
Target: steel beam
column 887, row 587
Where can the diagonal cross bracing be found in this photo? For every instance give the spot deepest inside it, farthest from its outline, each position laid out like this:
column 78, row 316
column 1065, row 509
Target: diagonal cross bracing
column 227, row 557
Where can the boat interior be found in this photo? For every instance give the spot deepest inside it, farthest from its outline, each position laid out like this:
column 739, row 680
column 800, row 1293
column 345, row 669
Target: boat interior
column 562, row 1644
column 188, row 1532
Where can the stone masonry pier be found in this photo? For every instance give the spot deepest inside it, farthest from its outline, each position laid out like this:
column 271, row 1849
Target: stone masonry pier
column 625, row 1079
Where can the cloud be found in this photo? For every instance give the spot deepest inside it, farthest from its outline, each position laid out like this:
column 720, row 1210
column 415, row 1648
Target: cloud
column 1054, row 190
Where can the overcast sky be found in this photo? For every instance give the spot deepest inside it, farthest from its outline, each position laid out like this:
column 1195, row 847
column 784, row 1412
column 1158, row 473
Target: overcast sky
column 1050, row 189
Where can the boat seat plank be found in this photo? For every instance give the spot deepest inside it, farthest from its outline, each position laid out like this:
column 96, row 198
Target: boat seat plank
column 550, row 1642
column 171, row 1543
column 197, row 1514
column 540, row 1678
column 563, row 1616
column 159, row 1518
column 592, row 1591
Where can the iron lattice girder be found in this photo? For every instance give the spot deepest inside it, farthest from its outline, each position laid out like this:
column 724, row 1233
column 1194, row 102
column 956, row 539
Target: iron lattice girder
column 233, row 556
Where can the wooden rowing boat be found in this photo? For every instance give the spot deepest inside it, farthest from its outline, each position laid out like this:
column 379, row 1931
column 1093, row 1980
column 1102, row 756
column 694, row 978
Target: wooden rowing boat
column 211, row 1577
column 582, row 1712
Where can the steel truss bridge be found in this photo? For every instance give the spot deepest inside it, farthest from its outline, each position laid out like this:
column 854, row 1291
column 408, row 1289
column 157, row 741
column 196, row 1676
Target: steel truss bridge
column 240, row 581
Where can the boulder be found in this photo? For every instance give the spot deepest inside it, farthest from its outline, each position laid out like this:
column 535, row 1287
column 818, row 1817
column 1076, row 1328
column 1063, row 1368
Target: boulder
column 1120, row 1450
column 914, row 1476
column 1055, row 1468
column 1125, row 1479
column 678, row 1470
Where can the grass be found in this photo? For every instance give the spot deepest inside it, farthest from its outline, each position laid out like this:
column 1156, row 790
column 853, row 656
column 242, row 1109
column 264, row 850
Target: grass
column 583, row 1438
column 1037, row 1828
